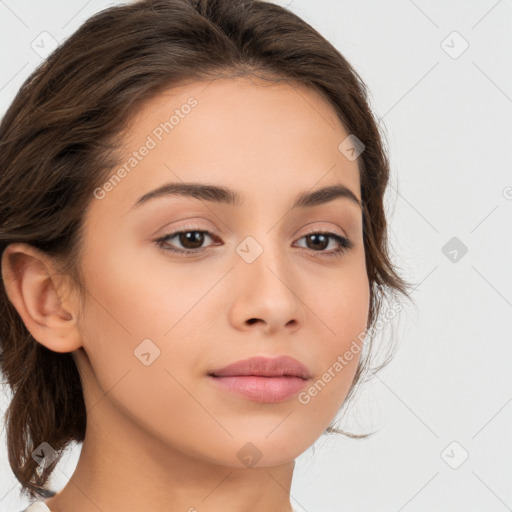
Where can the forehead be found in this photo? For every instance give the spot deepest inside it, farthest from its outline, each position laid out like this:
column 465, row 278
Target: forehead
column 267, row 140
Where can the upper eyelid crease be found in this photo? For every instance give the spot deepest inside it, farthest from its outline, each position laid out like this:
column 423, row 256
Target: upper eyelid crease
column 223, row 195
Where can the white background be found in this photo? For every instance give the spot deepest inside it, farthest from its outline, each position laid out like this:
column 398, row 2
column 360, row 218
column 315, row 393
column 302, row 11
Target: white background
column 448, row 124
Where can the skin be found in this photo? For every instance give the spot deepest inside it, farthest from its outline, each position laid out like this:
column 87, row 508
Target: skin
column 163, row 436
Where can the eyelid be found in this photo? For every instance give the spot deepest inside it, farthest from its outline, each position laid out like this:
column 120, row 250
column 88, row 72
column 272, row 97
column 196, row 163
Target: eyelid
column 343, row 242
column 194, row 227
column 326, row 229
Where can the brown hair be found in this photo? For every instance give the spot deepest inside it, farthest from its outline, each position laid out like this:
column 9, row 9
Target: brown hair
column 58, row 142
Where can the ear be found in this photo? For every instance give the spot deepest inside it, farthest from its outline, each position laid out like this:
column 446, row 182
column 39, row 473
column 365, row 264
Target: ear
column 35, row 289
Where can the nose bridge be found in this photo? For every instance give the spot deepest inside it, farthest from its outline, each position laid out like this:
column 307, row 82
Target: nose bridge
column 265, row 265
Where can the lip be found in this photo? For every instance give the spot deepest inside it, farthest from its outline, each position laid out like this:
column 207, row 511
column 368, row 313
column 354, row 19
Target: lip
column 263, row 379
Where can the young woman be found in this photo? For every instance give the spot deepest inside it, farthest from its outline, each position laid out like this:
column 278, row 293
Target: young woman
column 194, row 256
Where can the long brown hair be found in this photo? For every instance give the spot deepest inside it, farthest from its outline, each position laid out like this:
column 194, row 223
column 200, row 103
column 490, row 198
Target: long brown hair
column 58, row 142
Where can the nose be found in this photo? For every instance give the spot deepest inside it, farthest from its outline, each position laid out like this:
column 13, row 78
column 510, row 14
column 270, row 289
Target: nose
column 266, row 295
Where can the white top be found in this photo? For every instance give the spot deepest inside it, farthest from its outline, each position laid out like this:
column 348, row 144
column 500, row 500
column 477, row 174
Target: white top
column 37, row 506
column 40, row 506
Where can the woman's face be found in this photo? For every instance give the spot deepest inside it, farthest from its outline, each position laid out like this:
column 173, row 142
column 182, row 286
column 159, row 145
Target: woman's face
column 259, row 283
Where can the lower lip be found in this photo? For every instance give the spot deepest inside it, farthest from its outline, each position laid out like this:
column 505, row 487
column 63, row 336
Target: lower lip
column 262, row 389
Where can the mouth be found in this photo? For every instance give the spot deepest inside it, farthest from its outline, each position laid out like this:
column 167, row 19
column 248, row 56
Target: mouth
column 263, row 379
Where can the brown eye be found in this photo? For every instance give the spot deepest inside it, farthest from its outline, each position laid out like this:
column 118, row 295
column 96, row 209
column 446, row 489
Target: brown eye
column 190, row 239
column 319, row 241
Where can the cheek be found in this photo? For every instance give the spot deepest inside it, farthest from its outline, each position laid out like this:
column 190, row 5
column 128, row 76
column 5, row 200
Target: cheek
column 136, row 298
column 134, row 307
column 127, row 318
column 343, row 304
column 343, row 309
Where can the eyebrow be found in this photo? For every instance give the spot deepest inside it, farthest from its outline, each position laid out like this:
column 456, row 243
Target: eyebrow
column 224, row 195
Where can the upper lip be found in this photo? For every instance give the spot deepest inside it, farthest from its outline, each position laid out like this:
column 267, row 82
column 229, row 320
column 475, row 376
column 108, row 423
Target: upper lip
column 265, row 367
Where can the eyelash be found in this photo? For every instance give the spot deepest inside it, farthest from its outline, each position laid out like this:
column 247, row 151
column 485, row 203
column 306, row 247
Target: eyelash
column 344, row 243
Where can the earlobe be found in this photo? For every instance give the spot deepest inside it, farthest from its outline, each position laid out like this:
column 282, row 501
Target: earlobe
column 35, row 290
